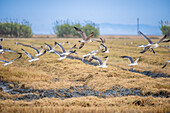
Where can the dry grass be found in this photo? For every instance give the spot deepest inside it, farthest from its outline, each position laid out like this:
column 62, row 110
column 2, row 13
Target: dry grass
column 42, row 74
column 88, row 105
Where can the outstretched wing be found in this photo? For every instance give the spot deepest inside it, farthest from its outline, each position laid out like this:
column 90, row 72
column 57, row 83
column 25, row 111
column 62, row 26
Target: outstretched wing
column 50, row 48
column 95, row 58
column 146, row 37
column 145, row 49
column 74, row 47
column 4, row 61
column 105, row 48
column 105, row 61
column 29, row 55
column 89, row 36
column 137, row 59
column 8, row 50
column 102, row 40
column 83, row 34
column 82, row 44
column 17, row 43
column 20, row 55
column 129, row 58
column 162, row 39
column 57, row 53
column 35, row 49
column 61, row 47
column 152, row 50
column 42, row 53
column 165, row 64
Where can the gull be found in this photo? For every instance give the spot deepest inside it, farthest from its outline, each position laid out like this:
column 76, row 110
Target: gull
column 50, row 50
column 10, row 62
column 106, row 50
column 92, row 53
column 165, row 64
column 151, row 44
column 133, row 63
column 33, row 58
column 103, row 65
column 64, row 53
column 38, row 52
column 85, row 38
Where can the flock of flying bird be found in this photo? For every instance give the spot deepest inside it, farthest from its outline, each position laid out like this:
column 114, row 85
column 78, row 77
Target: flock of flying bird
column 89, row 57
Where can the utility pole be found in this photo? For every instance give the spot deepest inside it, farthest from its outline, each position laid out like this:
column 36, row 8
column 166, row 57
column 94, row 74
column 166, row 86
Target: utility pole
column 138, row 26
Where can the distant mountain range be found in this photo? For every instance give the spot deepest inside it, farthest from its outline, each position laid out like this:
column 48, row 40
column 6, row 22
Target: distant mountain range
column 125, row 29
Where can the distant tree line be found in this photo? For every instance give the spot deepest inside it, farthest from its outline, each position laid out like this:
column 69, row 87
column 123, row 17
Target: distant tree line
column 66, row 28
column 14, row 28
column 165, row 27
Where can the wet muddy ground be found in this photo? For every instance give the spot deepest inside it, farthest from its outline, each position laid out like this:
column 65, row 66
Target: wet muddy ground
column 80, row 91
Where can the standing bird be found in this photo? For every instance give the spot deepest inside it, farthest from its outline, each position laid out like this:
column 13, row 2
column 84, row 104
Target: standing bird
column 151, row 45
column 10, row 62
column 33, row 58
column 103, row 65
column 165, row 64
column 131, row 60
column 85, row 38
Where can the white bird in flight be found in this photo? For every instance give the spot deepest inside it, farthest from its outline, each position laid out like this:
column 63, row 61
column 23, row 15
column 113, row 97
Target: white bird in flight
column 133, row 63
column 39, row 53
column 64, row 53
column 33, row 58
column 85, row 38
column 102, row 65
column 151, row 45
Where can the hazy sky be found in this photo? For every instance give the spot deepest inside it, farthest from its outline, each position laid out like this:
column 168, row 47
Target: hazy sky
column 43, row 13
